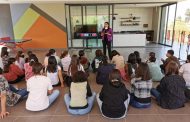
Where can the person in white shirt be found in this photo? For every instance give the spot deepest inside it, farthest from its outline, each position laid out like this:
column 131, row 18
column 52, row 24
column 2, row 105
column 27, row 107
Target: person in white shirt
column 185, row 72
column 51, row 52
column 41, row 93
column 65, row 60
column 20, row 61
column 54, row 72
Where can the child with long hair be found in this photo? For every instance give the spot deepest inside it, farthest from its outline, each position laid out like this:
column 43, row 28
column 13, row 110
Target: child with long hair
column 51, row 52
column 27, row 58
column 74, row 67
column 141, row 86
column 114, row 97
column 54, row 72
column 20, row 60
column 170, row 94
column 12, row 72
column 84, row 60
column 28, row 66
column 118, row 60
column 130, row 67
column 4, row 56
column 81, row 99
column 65, row 60
column 97, row 60
column 138, row 58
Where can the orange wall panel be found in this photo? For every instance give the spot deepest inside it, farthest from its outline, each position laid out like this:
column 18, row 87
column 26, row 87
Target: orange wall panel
column 45, row 34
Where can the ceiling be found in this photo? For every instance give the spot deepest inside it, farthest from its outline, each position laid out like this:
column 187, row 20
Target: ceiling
column 90, row 1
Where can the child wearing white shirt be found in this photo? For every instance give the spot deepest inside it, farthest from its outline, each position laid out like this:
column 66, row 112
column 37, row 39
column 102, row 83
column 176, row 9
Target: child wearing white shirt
column 41, row 93
column 185, row 72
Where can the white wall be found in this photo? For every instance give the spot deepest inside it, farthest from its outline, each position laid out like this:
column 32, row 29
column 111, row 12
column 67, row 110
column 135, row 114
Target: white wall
column 145, row 14
column 6, row 29
column 55, row 10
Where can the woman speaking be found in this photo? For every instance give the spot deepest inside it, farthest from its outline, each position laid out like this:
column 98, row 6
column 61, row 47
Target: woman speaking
column 106, row 35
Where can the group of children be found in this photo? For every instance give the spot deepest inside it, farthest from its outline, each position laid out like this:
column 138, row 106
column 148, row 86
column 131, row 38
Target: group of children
column 73, row 71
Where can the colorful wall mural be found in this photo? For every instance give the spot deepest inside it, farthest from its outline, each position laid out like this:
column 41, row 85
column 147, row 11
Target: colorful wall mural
column 33, row 23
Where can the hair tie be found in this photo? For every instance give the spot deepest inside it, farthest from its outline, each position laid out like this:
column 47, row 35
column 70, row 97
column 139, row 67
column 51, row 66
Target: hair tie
column 32, row 60
column 114, row 80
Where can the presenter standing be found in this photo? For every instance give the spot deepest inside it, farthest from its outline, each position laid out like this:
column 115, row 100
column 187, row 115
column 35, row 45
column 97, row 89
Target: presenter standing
column 106, row 35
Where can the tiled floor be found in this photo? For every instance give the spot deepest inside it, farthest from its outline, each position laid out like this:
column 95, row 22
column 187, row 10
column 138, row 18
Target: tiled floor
column 58, row 113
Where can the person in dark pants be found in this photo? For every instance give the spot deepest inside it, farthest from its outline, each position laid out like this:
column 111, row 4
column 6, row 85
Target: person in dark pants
column 106, row 35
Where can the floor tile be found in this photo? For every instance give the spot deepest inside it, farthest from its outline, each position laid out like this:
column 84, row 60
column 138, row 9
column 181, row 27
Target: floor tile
column 33, row 119
column 176, row 118
column 144, row 118
column 69, row 118
column 8, row 119
column 100, row 118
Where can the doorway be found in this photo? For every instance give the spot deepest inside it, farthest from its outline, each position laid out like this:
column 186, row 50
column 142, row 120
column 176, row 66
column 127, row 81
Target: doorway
column 92, row 17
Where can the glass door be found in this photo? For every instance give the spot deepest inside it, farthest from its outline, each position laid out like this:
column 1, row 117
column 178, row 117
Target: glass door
column 90, row 20
column 167, row 25
column 170, row 32
column 163, row 24
column 76, row 23
column 86, row 17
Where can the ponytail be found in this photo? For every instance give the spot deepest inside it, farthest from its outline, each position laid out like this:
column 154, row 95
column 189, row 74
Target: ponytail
column 32, row 59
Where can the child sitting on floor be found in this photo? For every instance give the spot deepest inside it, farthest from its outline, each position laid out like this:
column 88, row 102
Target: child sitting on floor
column 12, row 72
column 130, row 67
column 20, row 60
column 155, row 70
column 27, row 58
column 4, row 56
column 65, row 60
column 28, row 66
column 138, row 58
column 184, row 71
column 41, row 93
column 51, row 52
column 118, row 60
column 114, row 97
column 170, row 94
column 97, row 60
column 141, row 87
column 81, row 99
column 83, row 60
column 103, row 71
column 9, row 95
column 73, row 68
column 170, row 57
column 54, row 72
